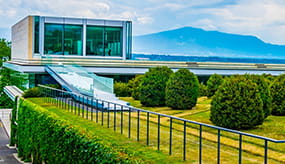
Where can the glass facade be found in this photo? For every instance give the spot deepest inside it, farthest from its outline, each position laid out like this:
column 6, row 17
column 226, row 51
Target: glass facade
column 82, row 37
column 128, row 40
column 36, row 33
column 62, row 39
column 103, row 41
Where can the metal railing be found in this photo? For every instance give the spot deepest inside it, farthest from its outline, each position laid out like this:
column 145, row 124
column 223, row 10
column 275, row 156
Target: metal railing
column 176, row 136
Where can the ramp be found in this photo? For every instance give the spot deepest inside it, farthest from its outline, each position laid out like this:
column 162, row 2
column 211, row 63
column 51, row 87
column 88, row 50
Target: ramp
column 78, row 80
column 12, row 92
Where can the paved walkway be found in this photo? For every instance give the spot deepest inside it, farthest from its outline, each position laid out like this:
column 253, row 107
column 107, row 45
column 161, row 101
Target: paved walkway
column 6, row 154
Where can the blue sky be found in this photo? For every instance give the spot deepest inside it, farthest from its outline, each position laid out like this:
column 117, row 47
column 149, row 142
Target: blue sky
column 262, row 18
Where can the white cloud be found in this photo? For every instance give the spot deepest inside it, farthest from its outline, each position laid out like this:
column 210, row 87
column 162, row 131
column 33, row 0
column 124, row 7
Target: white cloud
column 145, row 20
column 262, row 18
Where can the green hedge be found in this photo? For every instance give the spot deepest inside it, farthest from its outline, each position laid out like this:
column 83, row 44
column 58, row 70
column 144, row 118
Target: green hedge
column 52, row 135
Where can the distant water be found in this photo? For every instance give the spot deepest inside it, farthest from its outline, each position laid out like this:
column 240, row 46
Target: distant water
column 154, row 57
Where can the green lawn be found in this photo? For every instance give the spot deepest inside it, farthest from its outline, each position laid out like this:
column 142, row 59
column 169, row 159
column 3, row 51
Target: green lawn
column 253, row 150
column 273, row 126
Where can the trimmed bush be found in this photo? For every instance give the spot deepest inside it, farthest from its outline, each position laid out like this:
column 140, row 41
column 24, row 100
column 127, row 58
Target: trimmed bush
column 213, row 84
column 203, row 90
column 152, row 86
column 182, row 90
column 33, row 92
column 237, row 104
column 52, row 135
column 135, row 84
column 263, row 87
column 122, row 89
column 278, row 95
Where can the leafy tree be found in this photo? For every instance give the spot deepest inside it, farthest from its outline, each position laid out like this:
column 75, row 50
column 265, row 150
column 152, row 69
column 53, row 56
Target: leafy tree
column 237, row 104
column 5, row 49
column 152, row 86
column 182, row 90
column 263, row 87
column 10, row 77
column 213, row 84
column 5, row 79
column 122, row 89
column 134, row 85
column 278, row 95
column 203, row 90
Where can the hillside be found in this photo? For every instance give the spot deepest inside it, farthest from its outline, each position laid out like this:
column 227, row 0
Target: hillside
column 195, row 41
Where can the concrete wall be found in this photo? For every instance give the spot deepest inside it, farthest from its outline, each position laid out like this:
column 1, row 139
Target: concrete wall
column 22, row 43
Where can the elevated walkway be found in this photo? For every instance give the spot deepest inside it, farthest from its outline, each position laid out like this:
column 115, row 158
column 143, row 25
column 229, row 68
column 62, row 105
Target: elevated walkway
column 78, row 80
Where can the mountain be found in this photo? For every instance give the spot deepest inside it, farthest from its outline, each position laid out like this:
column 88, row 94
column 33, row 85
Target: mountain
column 198, row 42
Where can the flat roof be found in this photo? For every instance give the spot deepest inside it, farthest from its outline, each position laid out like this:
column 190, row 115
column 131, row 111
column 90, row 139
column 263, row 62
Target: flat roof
column 104, row 66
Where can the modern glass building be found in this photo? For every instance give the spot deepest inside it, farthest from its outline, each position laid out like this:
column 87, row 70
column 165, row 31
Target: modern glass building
column 40, row 37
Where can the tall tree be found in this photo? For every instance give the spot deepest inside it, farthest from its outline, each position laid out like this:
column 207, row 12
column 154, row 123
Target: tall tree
column 5, row 49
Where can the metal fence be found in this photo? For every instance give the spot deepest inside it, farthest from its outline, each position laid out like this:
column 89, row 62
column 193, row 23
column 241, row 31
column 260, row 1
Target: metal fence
column 179, row 137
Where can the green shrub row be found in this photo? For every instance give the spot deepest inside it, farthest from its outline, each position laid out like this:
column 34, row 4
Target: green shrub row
column 47, row 137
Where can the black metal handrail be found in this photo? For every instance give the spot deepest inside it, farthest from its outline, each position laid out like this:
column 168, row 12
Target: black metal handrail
column 54, row 93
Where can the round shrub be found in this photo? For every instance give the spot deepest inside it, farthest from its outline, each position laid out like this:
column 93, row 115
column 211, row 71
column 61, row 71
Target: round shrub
column 263, row 87
column 33, row 92
column 278, row 95
column 122, row 89
column 152, row 86
column 237, row 104
column 203, row 90
column 182, row 90
column 213, row 84
column 135, row 83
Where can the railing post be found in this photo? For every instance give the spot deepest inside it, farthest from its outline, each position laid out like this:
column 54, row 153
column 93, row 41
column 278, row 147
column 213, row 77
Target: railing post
column 102, row 111
column 240, row 150
column 147, row 129
column 92, row 108
column 170, row 136
column 219, row 146
column 97, row 108
column 158, row 132
column 108, row 111
column 122, row 119
column 184, row 140
column 138, row 126
column 129, row 135
column 87, row 107
column 115, row 110
column 200, row 144
column 83, row 106
column 265, row 151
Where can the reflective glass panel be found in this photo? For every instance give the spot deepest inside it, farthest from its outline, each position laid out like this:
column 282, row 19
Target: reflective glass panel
column 72, row 40
column 53, row 39
column 94, row 40
column 113, row 41
column 104, row 41
column 36, row 33
column 63, row 39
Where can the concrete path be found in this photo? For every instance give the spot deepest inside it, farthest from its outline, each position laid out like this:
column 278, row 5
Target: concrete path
column 6, row 154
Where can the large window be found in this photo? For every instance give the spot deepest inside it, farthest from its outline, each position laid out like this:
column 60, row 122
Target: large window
column 63, row 39
column 36, row 34
column 104, row 41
